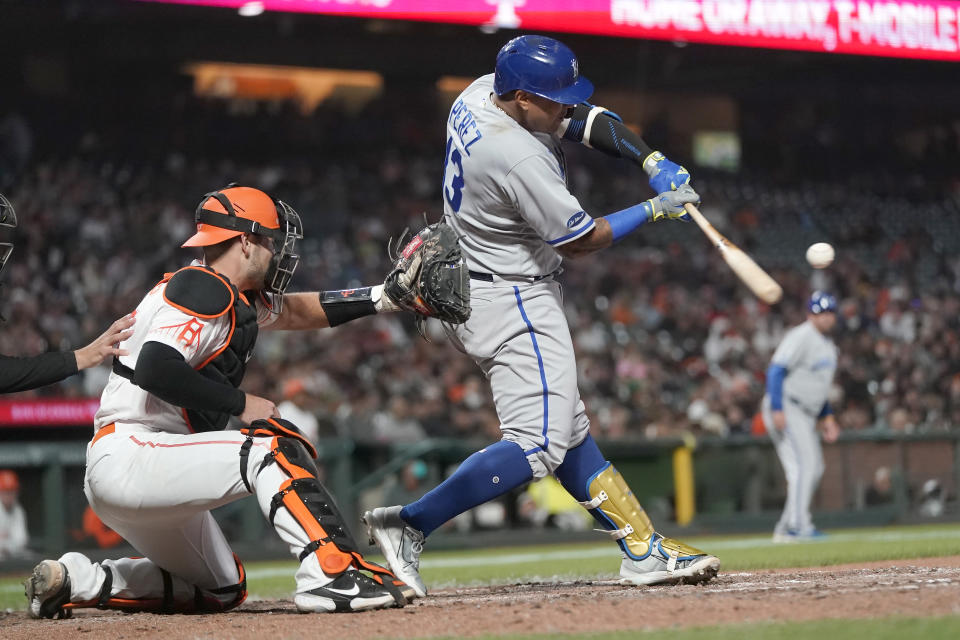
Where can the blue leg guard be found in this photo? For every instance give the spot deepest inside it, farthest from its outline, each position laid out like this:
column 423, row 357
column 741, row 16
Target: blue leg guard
column 488, row 473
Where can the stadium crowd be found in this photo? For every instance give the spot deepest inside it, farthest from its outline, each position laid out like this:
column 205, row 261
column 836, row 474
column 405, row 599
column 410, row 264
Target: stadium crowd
column 668, row 340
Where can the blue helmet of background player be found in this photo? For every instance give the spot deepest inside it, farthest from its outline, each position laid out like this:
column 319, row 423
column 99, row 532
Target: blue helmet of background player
column 8, row 218
column 821, row 302
column 541, row 66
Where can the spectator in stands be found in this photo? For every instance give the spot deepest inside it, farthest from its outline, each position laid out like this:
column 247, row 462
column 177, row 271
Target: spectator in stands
column 13, row 521
column 297, row 408
column 880, row 490
column 411, row 483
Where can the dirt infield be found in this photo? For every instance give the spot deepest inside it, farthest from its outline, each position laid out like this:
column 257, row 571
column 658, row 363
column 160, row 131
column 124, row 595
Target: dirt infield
column 929, row 586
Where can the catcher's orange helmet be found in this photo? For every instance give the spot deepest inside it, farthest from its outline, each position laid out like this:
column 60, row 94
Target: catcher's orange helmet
column 214, row 213
column 235, row 210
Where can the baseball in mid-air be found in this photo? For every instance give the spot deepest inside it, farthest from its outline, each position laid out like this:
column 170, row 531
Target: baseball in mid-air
column 820, row 255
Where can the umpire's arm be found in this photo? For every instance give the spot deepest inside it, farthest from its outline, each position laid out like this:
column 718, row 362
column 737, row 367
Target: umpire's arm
column 21, row 374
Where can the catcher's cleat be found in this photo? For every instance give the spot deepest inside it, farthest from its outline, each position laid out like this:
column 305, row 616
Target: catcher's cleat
column 47, row 590
column 400, row 543
column 351, row 591
column 669, row 562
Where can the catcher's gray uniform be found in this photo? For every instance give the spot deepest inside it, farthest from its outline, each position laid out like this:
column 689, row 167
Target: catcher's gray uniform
column 810, row 360
column 508, row 200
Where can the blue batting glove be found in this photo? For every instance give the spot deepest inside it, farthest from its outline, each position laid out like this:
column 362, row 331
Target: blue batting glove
column 664, row 175
column 669, row 204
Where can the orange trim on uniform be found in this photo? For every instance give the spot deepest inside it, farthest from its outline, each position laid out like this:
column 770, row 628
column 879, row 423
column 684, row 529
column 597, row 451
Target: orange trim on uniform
column 186, row 419
column 267, row 303
column 152, row 604
column 233, row 328
column 173, row 445
column 104, row 431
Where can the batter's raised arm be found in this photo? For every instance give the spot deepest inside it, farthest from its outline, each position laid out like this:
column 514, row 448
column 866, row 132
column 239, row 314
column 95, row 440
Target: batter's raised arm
column 603, row 130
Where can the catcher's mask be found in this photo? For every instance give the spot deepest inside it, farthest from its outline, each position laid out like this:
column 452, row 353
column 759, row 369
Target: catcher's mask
column 8, row 218
column 233, row 211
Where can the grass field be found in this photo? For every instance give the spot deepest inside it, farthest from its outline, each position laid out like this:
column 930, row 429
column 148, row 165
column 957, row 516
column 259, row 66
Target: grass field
column 269, row 580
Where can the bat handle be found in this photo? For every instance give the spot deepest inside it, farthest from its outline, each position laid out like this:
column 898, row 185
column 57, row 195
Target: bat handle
column 706, row 227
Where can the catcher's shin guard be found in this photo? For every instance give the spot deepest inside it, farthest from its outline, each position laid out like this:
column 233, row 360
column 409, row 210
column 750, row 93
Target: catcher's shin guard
column 313, row 508
column 613, row 504
column 200, row 601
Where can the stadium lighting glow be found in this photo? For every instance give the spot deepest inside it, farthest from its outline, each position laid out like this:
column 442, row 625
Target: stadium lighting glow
column 251, row 9
column 306, row 86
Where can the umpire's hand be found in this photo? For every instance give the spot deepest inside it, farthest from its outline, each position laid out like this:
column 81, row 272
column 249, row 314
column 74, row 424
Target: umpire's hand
column 106, row 345
column 258, row 408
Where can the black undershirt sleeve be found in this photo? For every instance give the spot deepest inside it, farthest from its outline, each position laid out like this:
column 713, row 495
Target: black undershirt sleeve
column 162, row 371
column 21, row 374
column 606, row 134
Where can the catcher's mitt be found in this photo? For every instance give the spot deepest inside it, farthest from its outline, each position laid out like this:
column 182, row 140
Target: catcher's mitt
column 430, row 276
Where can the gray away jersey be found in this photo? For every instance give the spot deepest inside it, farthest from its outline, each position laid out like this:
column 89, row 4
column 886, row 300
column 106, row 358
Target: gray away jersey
column 811, row 360
column 505, row 189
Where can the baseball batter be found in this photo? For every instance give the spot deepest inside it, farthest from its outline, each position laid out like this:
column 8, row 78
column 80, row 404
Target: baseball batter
column 798, row 382
column 505, row 192
column 160, row 458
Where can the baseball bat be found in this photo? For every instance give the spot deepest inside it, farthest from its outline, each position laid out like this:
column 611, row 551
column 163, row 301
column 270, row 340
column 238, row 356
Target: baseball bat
column 758, row 280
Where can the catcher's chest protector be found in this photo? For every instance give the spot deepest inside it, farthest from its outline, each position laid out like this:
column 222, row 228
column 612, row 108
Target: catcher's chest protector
column 202, row 291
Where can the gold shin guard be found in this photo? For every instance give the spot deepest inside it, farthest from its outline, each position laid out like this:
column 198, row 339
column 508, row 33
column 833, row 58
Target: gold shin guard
column 628, row 524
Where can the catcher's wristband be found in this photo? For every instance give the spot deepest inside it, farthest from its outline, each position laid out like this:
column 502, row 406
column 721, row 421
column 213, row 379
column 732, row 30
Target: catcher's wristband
column 347, row 304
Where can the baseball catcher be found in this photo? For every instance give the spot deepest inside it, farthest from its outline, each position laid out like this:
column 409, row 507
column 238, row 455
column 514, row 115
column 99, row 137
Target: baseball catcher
column 430, row 277
column 162, row 458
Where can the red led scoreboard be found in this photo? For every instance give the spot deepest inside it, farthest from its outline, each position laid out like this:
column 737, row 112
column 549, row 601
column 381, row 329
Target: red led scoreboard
column 921, row 29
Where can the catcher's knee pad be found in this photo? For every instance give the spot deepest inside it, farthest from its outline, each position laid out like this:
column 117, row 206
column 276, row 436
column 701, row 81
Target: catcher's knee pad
column 613, row 504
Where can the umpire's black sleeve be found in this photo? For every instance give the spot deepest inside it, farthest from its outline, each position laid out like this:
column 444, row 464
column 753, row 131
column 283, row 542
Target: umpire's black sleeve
column 162, row 371
column 20, row 374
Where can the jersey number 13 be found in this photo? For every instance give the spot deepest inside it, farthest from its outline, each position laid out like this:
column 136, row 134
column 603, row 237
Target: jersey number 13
column 454, row 192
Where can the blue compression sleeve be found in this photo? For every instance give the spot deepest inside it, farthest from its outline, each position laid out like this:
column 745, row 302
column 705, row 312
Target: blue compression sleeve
column 826, row 411
column 627, row 220
column 488, row 473
column 579, row 466
column 775, row 375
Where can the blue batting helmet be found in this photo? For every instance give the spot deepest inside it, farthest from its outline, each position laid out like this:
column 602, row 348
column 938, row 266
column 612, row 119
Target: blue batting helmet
column 821, row 302
column 541, row 66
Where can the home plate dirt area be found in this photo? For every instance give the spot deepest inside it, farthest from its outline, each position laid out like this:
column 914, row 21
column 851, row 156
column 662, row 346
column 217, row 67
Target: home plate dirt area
column 919, row 587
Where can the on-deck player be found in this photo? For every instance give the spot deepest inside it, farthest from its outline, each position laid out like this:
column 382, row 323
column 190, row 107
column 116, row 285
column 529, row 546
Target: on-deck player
column 160, row 458
column 798, row 383
column 505, row 193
